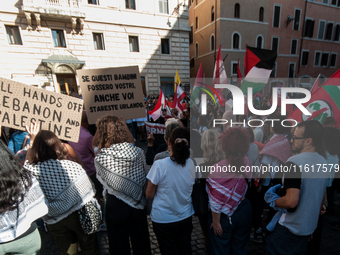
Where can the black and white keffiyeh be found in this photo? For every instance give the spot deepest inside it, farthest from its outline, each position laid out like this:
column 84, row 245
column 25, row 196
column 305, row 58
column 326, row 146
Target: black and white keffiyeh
column 66, row 187
column 16, row 222
column 121, row 170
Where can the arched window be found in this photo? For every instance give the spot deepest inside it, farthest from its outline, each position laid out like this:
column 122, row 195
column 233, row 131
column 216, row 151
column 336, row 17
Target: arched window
column 237, row 11
column 212, row 43
column 259, row 41
column 261, row 14
column 196, row 50
column 212, row 14
column 236, row 41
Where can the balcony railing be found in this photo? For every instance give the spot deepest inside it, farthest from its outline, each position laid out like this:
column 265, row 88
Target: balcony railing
column 52, row 8
column 53, row 3
column 55, row 9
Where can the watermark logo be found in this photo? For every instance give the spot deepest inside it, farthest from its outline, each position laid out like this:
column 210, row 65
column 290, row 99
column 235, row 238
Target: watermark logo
column 239, row 97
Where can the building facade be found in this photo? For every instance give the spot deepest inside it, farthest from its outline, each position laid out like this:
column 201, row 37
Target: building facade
column 233, row 24
column 306, row 36
column 44, row 42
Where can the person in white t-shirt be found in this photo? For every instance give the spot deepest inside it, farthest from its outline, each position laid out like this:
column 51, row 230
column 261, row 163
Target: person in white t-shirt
column 170, row 184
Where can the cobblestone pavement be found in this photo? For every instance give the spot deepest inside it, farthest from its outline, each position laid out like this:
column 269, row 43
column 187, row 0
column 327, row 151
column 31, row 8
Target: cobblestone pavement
column 329, row 244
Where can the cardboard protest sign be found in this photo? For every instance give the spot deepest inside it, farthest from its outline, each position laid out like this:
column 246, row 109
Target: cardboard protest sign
column 112, row 91
column 21, row 104
column 154, row 128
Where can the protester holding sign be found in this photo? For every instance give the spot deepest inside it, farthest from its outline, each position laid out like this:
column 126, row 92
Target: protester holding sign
column 112, row 91
column 67, row 189
column 22, row 104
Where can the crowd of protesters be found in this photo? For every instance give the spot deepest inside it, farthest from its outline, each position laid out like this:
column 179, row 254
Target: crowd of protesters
column 44, row 177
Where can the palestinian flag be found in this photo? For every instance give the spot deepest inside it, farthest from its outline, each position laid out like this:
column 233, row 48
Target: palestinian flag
column 258, row 65
column 324, row 102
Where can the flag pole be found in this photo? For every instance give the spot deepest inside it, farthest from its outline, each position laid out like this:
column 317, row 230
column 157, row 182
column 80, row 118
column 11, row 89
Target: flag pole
column 316, row 81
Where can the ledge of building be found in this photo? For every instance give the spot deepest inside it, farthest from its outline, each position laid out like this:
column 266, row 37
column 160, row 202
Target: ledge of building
column 54, row 12
column 55, row 61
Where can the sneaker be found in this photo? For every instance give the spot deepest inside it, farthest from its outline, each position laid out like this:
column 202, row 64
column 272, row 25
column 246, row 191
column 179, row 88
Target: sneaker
column 102, row 227
column 258, row 237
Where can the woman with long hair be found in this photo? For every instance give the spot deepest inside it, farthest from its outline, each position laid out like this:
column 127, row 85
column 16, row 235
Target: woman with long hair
column 21, row 203
column 121, row 168
column 170, row 184
column 67, row 189
column 230, row 217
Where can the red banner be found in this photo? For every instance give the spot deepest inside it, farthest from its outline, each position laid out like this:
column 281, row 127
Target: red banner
column 154, row 128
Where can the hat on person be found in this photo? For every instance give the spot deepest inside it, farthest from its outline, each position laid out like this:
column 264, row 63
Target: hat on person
column 329, row 120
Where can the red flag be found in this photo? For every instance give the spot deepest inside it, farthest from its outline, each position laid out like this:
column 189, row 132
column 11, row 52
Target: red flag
column 324, row 102
column 330, row 80
column 176, row 103
column 220, row 75
column 161, row 104
column 181, row 95
column 195, row 93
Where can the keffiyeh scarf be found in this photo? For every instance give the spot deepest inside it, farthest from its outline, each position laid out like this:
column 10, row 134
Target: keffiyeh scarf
column 16, row 222
column 278, row 147
column 121, row 170
column 227, row 189
column 66, row 187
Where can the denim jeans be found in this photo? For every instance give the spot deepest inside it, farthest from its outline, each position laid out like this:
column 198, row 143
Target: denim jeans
column 236, row 230
column 282, row 241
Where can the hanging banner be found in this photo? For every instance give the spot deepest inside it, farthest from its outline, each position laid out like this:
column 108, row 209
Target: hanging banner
column 154, row 128
column 112, row 91
column 22, row 104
